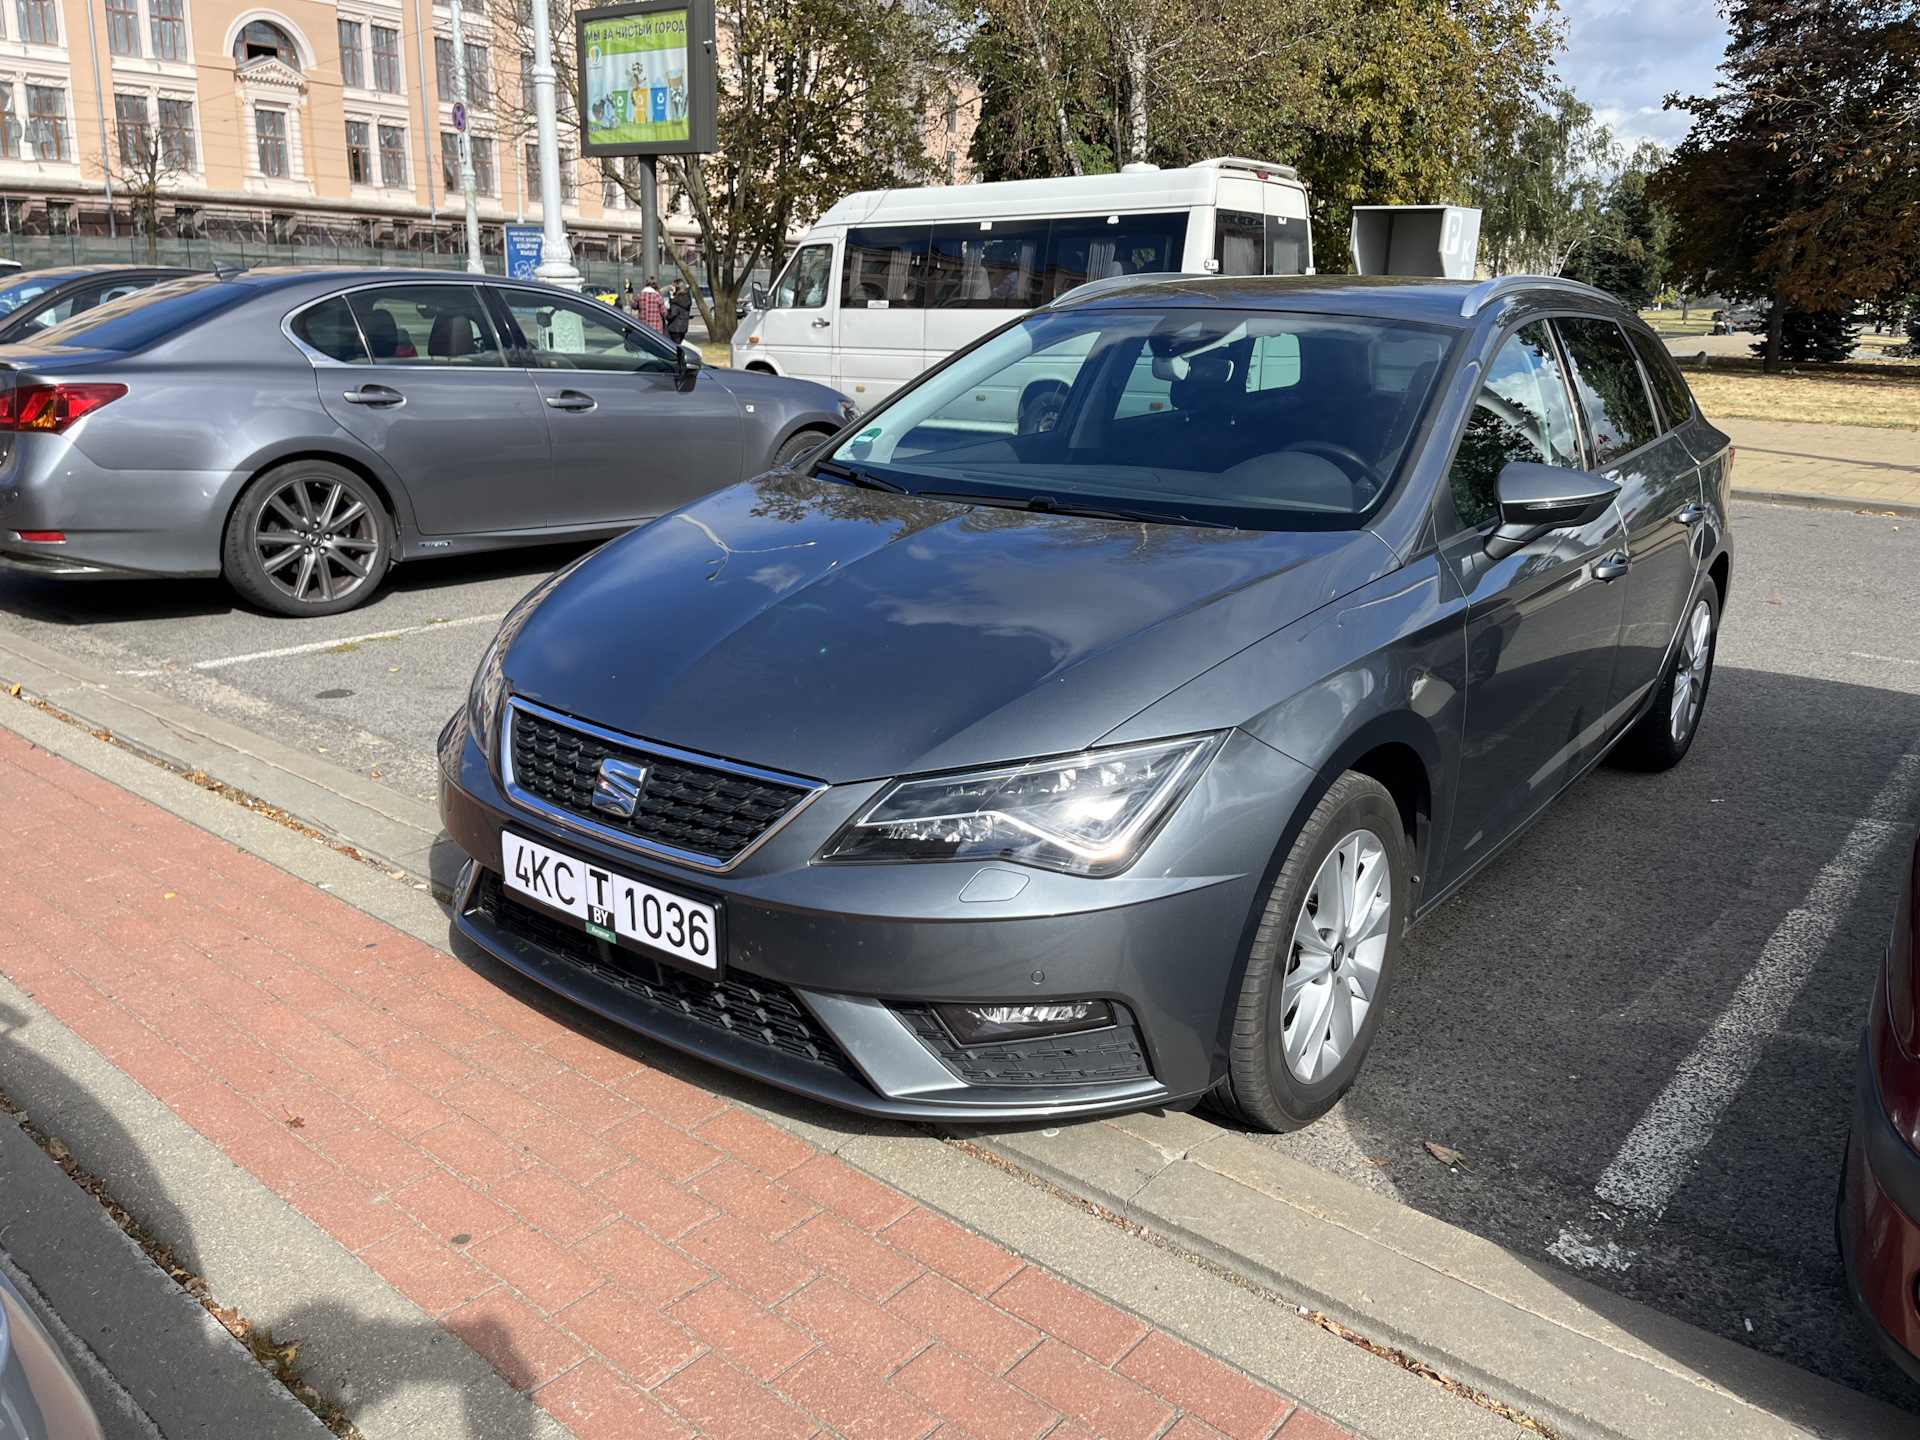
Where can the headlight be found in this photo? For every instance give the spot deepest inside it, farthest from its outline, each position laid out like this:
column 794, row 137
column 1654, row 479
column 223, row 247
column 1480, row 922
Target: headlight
column 1086, row 814
column 487, row 696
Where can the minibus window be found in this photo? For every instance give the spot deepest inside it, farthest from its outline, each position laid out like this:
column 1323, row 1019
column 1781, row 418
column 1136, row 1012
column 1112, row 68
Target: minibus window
column 807, row 280
column 998, row 265
column 1102, row 246
column 1239, row 242
column 886, row 269
column 1288, row 245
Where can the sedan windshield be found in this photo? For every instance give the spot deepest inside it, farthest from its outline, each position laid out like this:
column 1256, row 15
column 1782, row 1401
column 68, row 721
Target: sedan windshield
column 1261, row 419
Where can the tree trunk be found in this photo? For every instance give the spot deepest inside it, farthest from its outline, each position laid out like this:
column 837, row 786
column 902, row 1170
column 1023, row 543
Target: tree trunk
column 1137, row 97
column 1776, row 326
column 1069, row 148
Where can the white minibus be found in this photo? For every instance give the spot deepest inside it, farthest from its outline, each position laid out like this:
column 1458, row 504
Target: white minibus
column 890, row 281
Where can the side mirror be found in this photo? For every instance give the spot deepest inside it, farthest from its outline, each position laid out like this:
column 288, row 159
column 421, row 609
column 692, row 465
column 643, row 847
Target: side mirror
column 761, row 300
column 687, row 361
column 1536, row 499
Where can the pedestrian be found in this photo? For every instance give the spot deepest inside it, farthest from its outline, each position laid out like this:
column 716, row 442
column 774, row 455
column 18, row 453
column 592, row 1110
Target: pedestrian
column 626, row 300
column 651, row 306
column 679, row 312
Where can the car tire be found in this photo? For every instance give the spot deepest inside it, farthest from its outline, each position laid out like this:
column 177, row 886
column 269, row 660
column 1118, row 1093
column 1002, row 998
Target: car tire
column 794, row 446
column 338, row 540
column 1299, row 1038
column 1660, row 739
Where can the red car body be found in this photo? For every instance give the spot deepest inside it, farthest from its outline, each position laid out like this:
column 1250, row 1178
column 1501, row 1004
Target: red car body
column 1879, row 1211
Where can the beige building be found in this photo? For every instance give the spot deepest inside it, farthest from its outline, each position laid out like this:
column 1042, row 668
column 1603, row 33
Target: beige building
column 320, row 122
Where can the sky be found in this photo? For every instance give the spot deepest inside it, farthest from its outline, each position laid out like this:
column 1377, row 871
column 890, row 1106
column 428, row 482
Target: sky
column 1623, row 57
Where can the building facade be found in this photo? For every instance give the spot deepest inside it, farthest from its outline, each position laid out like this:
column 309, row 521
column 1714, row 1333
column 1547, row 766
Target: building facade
column 304, row 122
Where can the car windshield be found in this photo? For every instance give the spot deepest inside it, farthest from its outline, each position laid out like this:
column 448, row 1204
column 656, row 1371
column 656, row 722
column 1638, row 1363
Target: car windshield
column 148, row 316
column 1261, row 419
column 13, row 296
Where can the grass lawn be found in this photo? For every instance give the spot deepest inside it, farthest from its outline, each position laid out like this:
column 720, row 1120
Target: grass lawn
column 1824, row 399
column 721, row 355
column 1667, row 323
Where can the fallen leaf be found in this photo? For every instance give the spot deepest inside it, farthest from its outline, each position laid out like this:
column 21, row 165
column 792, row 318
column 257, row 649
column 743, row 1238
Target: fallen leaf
column 57, row 1148
column 1445, row 1154
column 1773, row 602
column 168, row 896
column 13, row 689
column 294, row 1122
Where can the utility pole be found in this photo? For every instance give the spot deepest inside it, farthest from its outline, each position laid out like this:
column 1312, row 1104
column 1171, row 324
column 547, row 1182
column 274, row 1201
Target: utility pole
column 650, row 221
column 463, row 110
column 556, row 257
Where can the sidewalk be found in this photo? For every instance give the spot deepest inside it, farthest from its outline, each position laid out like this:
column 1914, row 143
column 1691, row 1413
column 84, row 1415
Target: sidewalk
column 643, row 1257
column 1851, row 466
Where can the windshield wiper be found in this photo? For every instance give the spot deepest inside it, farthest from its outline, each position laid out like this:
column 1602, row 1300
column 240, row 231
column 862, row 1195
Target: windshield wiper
column 834, row 470
column 1047, row 505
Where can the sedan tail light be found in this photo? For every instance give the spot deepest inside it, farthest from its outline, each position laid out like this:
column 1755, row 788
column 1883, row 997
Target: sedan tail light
column 1903, row 961
column 53, row 407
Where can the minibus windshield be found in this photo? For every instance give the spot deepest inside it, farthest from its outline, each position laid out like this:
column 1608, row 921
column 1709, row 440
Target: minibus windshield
column 1261, row 419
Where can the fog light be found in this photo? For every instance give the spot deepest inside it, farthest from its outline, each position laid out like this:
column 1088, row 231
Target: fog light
column 984, row 1024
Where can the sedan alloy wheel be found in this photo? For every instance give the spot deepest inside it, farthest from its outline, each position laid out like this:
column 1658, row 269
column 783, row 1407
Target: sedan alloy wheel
column 308, row 539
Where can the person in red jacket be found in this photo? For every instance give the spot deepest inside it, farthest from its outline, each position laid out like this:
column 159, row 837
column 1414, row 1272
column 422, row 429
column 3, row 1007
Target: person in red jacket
column 651, row 306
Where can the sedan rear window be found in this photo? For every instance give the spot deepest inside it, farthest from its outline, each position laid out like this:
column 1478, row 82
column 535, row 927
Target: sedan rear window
column 146, row 317
column 1259, row 418
column 27, row 287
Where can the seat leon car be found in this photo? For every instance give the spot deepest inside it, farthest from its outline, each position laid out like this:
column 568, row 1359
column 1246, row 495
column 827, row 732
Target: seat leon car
column 299, row 431
column 1082, row 729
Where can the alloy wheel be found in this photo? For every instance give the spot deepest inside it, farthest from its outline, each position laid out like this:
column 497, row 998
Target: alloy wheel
column 316, row 540
column 1338, row 947
column 1690, row 672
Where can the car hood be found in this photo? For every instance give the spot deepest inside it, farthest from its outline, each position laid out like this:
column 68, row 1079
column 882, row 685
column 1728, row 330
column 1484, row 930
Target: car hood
column 846, row 634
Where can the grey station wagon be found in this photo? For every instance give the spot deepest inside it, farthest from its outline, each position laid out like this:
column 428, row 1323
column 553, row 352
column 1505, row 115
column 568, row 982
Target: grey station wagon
column 1082, row 729
column 300, row 431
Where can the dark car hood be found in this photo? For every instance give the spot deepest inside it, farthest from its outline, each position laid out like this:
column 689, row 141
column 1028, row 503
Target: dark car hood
column 846, row 634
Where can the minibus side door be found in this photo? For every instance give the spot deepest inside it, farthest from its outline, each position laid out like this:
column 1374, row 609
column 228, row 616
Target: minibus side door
column 798, row 330
column 882, row 319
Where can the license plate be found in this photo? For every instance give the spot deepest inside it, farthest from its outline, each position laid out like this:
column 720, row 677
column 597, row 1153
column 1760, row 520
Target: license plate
column 613, row 907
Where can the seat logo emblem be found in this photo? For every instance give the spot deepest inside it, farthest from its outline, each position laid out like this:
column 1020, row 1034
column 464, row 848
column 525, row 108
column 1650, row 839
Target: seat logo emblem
column 616, row 789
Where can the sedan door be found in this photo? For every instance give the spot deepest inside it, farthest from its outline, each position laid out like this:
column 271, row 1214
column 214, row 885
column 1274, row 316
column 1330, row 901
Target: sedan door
column 1542, row 624
column 1659, row 497
column 628, row 444
column 426, row 384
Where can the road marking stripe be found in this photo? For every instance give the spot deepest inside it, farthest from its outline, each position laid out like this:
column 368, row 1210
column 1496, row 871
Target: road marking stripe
column 1680, row 1123
column 316, row 645
column 1892, row 659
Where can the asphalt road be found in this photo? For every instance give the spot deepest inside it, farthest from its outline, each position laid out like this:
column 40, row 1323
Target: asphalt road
column 1541, row 1014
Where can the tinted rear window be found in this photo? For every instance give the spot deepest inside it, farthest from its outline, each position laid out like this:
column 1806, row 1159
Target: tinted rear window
column 147, row 317
column 13, row 296
column 1675, row 398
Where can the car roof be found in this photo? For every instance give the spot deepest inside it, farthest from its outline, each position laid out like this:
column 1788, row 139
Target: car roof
column 81, row 272
column 1440, row 302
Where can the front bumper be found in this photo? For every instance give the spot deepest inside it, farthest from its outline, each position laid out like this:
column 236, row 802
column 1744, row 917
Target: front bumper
column 1878, row 1222
column 831, row 970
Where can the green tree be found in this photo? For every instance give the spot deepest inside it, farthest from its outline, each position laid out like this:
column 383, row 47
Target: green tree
column 1543, row 193
column 1799, row 181
column 1627, row 253
column 1824, row 336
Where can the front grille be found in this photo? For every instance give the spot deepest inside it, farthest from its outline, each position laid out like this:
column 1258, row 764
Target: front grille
column 701, row 809
column 1093, row 1057
column 764, row 1012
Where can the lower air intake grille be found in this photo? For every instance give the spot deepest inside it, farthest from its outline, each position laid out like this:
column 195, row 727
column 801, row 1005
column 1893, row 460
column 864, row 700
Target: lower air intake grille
column 1092, row 1057
column 764, row 1012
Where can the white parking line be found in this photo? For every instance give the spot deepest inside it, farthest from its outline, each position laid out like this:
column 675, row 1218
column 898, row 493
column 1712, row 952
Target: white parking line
column 1680, row 1123
column 1892, row 659
column 318, row 645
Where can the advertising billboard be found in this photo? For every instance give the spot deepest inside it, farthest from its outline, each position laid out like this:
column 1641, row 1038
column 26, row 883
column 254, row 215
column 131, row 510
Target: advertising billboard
column 647, row 78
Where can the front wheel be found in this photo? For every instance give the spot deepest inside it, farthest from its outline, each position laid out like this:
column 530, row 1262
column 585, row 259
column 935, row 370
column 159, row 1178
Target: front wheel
column 1322, row 962
column 795, row 446
column 310, row 538
column 1660, row 739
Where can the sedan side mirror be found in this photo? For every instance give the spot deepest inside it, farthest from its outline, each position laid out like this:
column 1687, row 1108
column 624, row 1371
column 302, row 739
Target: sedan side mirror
column 1536, row 499
column 687, row 361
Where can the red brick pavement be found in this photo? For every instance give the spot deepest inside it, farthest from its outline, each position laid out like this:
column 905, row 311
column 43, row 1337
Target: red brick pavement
column 645, row 1258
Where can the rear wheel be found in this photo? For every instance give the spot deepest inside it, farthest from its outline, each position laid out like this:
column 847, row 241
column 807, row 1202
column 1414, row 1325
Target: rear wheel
column 1322, row 962
column 309, row 538
column 1660, row 739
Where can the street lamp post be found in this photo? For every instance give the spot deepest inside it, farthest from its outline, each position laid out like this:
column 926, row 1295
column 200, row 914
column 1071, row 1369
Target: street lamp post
column 463, row 109
column 556, row 257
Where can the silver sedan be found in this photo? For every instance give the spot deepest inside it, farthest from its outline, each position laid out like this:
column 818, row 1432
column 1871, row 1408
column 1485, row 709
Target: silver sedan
column 301, row 431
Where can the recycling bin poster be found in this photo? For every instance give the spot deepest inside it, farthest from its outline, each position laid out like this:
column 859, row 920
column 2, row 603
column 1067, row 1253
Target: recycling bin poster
column 634, row 79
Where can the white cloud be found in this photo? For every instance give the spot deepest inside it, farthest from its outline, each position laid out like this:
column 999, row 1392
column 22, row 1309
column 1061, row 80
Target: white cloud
column 1625, row 59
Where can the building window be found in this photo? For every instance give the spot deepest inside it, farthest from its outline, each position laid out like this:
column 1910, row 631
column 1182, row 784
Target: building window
column 450, row 162
column 393, row 156
column 46, row 130
column 386, row 59
column 169, row 19
column 9, row 123
column 443, row 67
column 359, row 153
column 479, row 77
column 533, row 176
column 123, row 27
column 176, row 134
column 353, row 69
column 136, row 135
column 38, row 25
column 270, row 128
column 482, row 148
column 263, row 40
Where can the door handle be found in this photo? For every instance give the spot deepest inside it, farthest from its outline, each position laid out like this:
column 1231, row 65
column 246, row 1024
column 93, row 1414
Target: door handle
column 821, row 324
column 375, row 395
column 1692, row 515
column 570, row 400
column 1613, row 567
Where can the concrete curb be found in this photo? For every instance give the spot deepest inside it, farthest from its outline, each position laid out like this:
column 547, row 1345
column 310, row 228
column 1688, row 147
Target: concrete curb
column 1858, row 503
column 400, row 832
column 172, row 1358
column 1589, row 1363
column 120, row 1418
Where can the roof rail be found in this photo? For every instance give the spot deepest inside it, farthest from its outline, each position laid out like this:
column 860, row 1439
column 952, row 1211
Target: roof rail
column 1487, row 291
column 1240, row 162
column 1093, row 289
